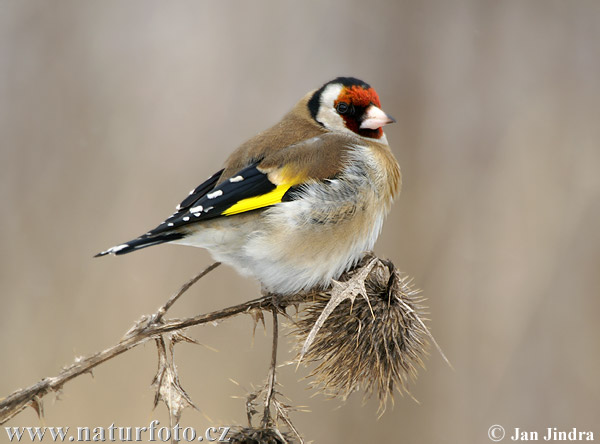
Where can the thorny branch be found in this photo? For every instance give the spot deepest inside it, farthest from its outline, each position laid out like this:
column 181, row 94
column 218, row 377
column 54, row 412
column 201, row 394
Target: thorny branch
column 375, row 342
column 185, row 287
column 147, row 328
column 272, row 370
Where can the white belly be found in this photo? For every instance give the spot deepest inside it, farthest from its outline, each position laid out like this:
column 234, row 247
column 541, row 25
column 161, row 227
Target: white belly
column 294, row 246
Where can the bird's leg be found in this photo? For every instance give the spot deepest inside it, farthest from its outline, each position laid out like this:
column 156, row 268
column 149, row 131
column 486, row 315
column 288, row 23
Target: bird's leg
column 267, row 419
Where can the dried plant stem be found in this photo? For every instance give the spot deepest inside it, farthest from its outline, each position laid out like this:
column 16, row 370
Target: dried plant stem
column 185, row 287
column 376, row 343
column 272, row 370
column 18, row 400
column 149, row 327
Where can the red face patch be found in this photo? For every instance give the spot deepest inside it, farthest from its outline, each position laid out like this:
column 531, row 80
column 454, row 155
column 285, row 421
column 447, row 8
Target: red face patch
column 359, row 98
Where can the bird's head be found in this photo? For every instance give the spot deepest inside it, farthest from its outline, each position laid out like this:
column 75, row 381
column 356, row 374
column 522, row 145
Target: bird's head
column 348, row 104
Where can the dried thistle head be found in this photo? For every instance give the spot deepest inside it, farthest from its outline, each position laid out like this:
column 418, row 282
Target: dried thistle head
column 375, row 342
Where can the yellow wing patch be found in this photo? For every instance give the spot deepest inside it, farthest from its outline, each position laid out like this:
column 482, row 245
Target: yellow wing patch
column 254, row 203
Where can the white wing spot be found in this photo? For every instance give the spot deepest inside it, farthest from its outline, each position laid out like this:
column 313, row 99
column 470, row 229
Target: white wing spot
column 118, row 248
column 197, row 214
column 192, row 192
column 178, row 207
column 236, row 179
column 208, row 209
column 170, row 224
column 215, row 194
column 186, row 218
column 197, row 209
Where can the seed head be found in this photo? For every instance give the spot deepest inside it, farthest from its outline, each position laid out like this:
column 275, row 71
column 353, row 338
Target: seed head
column 375, row 343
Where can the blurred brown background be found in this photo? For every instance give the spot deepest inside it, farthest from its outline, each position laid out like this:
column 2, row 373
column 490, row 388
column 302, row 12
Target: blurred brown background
column 111, row 111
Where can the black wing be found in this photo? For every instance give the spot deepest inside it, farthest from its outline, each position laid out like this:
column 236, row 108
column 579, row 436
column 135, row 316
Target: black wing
column 206, row 201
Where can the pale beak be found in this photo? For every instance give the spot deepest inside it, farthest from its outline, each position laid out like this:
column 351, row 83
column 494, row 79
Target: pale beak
column 375, row 118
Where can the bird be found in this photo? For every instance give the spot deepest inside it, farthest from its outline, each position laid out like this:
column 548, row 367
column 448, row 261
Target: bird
column 300, row 203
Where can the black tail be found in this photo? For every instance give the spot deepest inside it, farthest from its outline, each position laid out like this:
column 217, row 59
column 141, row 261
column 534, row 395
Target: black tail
column 141, row 242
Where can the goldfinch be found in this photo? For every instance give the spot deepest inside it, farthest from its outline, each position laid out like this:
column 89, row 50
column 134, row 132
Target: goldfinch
column 298, row 204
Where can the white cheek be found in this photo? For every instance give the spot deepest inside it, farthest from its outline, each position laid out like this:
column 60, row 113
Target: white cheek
column 330, row 94
column 327, row 114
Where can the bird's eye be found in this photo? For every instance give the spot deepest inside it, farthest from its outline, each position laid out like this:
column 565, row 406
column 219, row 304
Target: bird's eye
column 342, row 108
